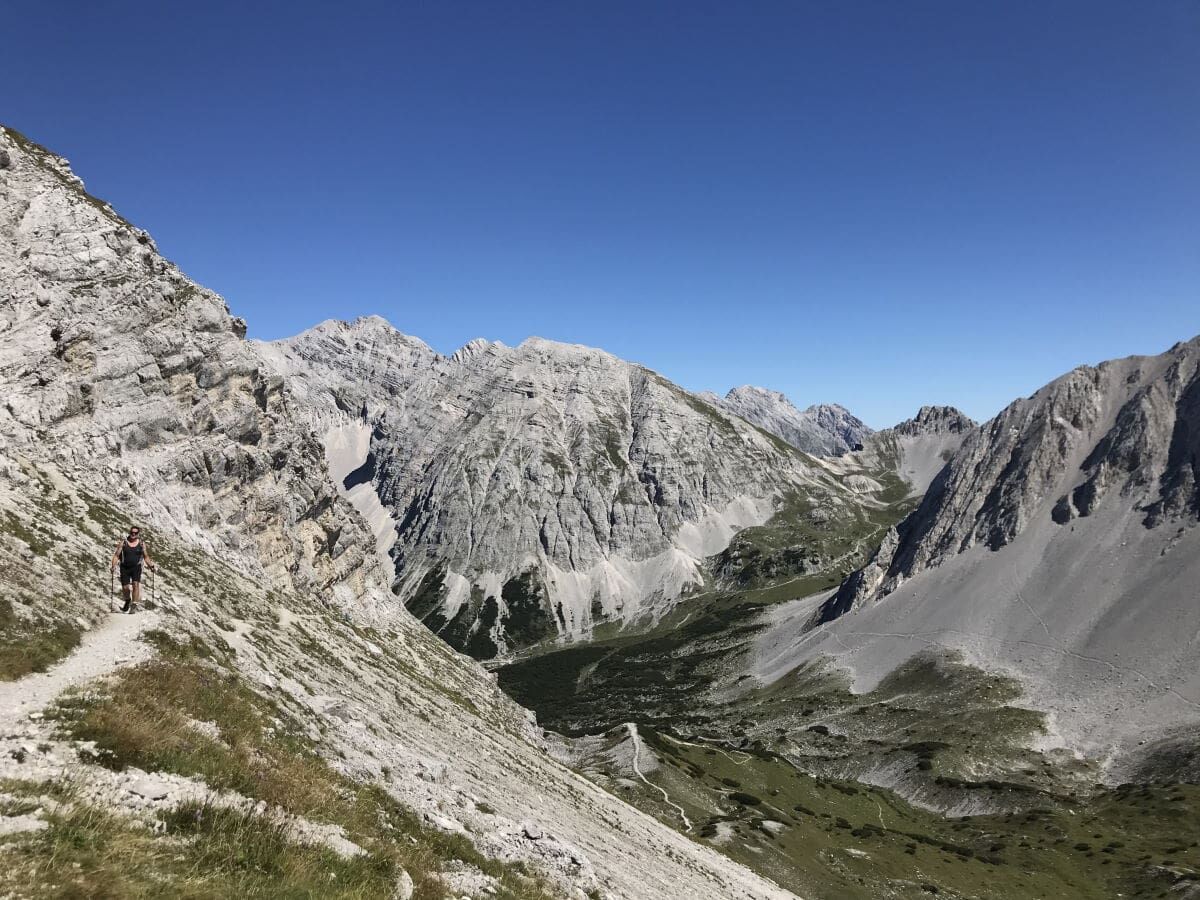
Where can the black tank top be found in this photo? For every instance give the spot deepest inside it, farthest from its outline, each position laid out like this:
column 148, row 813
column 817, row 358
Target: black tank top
column 132, row 556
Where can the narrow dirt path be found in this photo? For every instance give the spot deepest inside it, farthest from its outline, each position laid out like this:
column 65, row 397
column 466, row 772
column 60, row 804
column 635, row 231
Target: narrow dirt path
column 637, row 768
column 105, row 648
column 713, row 746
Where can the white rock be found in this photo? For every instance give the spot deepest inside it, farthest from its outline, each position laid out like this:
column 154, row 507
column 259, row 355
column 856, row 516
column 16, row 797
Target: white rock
column 823, row 430
column 546, row 458
column 150, row 789
column 20, row 824
column 532, row 831
column 404, row 887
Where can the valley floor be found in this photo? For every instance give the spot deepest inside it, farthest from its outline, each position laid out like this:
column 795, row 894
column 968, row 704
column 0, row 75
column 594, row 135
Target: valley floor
column 927, row 784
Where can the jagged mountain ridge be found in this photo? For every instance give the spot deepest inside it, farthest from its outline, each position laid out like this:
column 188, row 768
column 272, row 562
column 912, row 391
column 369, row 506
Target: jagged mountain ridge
column 824, row 429
column 541, row 489
column 1059, row 544
column 935, row 420
column 920, row 447
column 1002, row 474
column 124, row 380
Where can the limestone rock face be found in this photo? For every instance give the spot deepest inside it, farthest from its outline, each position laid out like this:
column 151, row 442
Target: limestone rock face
column 114, row 361
column 518, row 493
column 935, row 420
column 1060, row 544
column 1121, row 435
column 541, row 489
column 822, row 430
column 919, row 448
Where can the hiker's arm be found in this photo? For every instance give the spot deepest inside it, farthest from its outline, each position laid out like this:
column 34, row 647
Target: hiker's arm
column 116, row 556
column 146, row 553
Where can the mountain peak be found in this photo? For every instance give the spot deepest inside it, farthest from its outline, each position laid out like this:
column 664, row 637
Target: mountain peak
column 823, row 429
column 936, row 420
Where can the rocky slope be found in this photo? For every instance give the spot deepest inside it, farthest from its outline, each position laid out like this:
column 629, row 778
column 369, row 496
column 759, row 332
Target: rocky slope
column 823, row 430
column 917, row 449
column 1059, row 544
column 131, row 393
column 541, row 490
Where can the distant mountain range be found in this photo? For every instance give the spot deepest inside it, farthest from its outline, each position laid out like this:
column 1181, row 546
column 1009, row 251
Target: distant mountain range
column 822, row 430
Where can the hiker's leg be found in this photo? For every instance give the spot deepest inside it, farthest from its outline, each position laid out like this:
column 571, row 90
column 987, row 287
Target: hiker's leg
column 137, row 592
column 126, row 588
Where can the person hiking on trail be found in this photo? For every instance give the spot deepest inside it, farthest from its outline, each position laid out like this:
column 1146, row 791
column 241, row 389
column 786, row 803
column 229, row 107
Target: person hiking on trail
column 131, row 553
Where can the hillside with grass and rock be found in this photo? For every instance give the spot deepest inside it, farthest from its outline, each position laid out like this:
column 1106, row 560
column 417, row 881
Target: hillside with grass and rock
column 275, row 722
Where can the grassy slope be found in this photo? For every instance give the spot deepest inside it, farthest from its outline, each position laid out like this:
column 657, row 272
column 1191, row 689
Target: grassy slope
column 38, row 624
column 664, row 670
column 141, row 718
column 780, row 794
column 841, row 839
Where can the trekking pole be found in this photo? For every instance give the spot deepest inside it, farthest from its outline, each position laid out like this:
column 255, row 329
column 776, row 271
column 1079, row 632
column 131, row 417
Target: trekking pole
column 112, row 587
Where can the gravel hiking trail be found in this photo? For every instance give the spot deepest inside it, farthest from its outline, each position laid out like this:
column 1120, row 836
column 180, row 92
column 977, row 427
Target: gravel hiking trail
column 103, row 649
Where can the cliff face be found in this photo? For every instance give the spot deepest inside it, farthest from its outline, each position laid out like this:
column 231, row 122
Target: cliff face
column 542, row 489
column 1123, row 434
column 1058, row 543
column 115, row 362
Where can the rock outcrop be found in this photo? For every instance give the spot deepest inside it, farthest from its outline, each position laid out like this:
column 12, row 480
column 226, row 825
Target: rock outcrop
column 918, row 448
column 935, row 420
column 115, row 361
column 1122, row 433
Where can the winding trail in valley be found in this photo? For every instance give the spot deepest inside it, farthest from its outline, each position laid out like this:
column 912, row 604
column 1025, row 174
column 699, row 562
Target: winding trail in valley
column 637, row 768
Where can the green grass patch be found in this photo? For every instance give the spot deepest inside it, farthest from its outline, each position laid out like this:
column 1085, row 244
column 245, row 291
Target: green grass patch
column 27, row 647
column 88, row 853
column 828, row 837
column 811, row 541
column 261, row 752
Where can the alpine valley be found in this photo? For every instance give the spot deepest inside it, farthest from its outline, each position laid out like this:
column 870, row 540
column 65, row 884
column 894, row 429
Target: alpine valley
column 534, row 621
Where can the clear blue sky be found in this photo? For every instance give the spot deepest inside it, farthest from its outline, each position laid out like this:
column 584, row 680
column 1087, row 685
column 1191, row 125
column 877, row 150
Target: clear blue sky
column 876, row 203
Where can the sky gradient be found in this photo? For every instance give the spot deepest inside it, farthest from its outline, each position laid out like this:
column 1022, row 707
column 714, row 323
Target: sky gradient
column 874, row 203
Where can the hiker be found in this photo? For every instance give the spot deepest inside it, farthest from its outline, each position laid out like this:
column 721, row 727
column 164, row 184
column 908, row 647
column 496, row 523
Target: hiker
column 131, row 552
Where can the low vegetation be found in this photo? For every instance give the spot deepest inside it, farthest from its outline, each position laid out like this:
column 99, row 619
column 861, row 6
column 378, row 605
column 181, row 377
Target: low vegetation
column 806, row 782
column 32, row 646
column 811, row 545
column 147, row 717
column 827, row 837
column 86, row 852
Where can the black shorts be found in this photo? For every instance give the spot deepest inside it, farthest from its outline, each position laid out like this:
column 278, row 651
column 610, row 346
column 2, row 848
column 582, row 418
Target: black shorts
column 131, row 574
